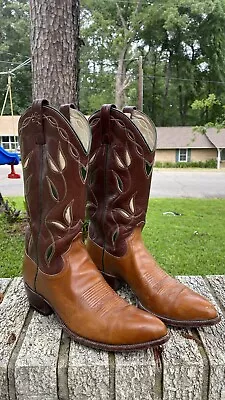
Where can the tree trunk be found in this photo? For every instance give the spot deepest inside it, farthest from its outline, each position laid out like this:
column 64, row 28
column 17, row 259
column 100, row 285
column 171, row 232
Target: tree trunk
column 181, row 97
column 55, row 46
column 153, row 105
column 167, row 82
column 122, row 80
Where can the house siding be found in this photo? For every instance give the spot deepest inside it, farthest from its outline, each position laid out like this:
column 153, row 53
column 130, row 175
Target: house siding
column 165, row 155
column 203, row 154
column 195, row 155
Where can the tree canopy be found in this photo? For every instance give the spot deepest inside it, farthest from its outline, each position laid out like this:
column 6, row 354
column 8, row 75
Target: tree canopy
column 15, row 49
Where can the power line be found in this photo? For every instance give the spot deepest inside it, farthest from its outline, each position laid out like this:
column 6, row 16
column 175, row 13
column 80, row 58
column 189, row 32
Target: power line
column 10, row 62
column 159, row 76
column 13, row 54
column 184, row 79
column 11, row 72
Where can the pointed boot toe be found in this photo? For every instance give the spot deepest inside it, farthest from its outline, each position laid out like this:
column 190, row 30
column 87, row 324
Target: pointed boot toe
column 195, row 310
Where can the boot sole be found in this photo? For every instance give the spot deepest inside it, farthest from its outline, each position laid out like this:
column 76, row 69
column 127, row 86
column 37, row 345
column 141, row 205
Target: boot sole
column 116, row 284
column 40, row 304
column 182, row 324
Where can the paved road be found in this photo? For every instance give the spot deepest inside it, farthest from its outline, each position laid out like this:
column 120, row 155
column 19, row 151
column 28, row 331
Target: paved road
column 165, row 183
column 188, row 183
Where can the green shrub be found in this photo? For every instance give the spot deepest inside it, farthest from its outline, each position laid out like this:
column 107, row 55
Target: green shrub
column 197, row 164
column 8, row 208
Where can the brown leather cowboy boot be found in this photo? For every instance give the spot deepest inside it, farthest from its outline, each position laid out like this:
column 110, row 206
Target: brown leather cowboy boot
column 58, row 273
column 120, row 169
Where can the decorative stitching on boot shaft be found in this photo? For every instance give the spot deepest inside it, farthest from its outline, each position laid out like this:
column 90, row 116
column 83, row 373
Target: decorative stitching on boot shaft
column 128, row 175
column 60, row 188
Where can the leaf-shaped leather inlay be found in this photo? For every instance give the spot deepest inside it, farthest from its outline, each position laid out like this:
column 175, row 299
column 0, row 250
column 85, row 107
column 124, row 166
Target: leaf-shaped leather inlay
column 92, row 158
column 27, row 185
column 62, row 160
column 26, row 162
column 131, row 205
column 128, row 158
column 59, row 225
column 49, row 253
column 148, row 168
column 83, row 173
column 52, row 189
column 123, row 213
column 52, row 163
column 115, row 236
column 118, row 161
column 68, row 213
column 119, row 183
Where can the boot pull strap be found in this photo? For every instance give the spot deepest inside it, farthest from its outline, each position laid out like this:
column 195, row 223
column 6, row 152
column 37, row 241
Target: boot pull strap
column 65, row 110
column 105, row 121
column 37, row 111
column 129, row 110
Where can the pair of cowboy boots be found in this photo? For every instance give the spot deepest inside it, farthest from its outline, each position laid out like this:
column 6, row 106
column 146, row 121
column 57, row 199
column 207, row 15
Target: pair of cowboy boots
column 59, row 274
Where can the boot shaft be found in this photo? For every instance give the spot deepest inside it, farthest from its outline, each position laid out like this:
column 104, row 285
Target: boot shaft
column 119, row 179
column 54, row 160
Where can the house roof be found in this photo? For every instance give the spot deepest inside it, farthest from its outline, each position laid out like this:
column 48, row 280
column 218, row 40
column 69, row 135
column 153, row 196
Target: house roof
column 9, row 125
column 175, row 137
column 217, row 138
column 179, row 137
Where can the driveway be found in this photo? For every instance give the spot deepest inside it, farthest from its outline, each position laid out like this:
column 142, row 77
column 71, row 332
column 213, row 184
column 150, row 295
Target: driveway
column 165, row 183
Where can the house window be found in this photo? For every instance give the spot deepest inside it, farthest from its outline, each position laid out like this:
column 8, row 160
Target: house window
column 183, row 155
column 9, row 143
column 222, row 155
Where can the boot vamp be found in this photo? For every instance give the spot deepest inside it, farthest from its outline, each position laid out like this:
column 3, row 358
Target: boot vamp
column 89, row 307
column 164, row 295
column 167, row 297
column 157, row 291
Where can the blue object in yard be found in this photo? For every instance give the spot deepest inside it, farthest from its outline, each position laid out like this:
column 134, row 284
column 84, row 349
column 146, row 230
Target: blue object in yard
column 8, row 158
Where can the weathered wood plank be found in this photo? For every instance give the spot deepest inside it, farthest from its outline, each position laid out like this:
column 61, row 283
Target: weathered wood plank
column 13, row 312
column 140, row 367
column 4, row 282
column 88, row 373
column 31, row 355
column 135, row 375
column 36, row 364
column 217, row 282
column 213, row 339
column 183, row 367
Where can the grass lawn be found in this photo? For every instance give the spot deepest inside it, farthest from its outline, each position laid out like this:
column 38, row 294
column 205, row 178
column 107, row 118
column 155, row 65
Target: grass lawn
column 190, row 244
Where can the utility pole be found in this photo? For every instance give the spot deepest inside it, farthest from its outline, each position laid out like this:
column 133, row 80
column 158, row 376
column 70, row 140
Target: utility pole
column 140, row 84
